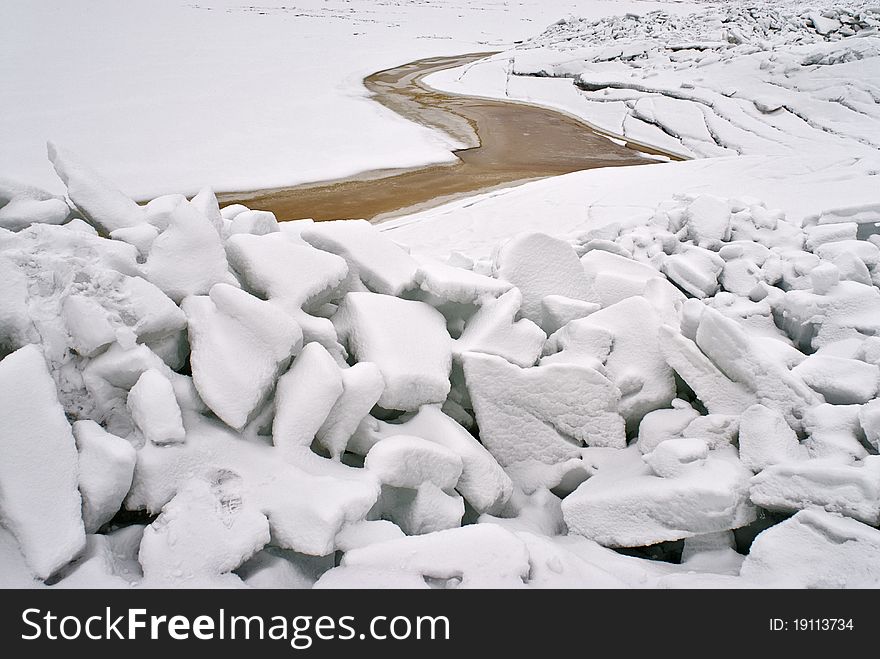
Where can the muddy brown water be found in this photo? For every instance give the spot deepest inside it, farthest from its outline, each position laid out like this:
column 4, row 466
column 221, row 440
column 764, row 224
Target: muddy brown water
column 509, row 143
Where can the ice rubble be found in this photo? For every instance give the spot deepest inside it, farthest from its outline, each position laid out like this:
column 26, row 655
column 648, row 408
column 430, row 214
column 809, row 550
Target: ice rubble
column 510, row 422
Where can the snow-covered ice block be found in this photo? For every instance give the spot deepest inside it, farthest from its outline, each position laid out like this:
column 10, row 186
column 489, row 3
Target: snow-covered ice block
column 822, row 24
column 742, row 277
column 614, row 278
column 540, row 265
column 660, row 426
column 22, row 211
column 406, row 339
column 154, row 409
column 847, row 310
column 677, row 456
column 96, row 198
column 869, row 419
column 368, row 532
column 625, row 504
column 408, row 461
column 540, row 415
column 483, row 482
column 383, row 266
column 14, row 570
column 834, row 431
column 558, row 310
column 717, row 430
column 579, row 343
column 708, row 220
column 38, row 472
column 745, row 361
column 88, row 325
column 695, row 270
column 240, row 344
column 453, row 284
column 206, row 203
column 362, row 386
column 849, row 268
column 474, row 556
column 257, row 223
column 865, row 251
column 539, row 512
column 229, row 212
column 106, row 466
column 766, row 439
column 307, row 500
column 274, row 267
column 851, row 490
column 840, row 381
column 207, row 530
column 824, row 277
column 187, row 258
column 717, row 392
column 141, row 236
column 829, row 233
column 420, row 510
column 815, row 549
column 494, row 330
column 635, row 363
column 304, row 397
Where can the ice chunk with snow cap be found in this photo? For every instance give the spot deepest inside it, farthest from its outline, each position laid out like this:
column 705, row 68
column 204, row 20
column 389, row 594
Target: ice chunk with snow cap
column 474, row 556
column 815, row 549
column 540, row 265
column 840, row 381
column 494, row 330
column 98, row 199
column 383, row 266
column 207, row 530
column 274, row 267
column 240, row 344
column 849, row 489
column 541, row 415
column 38, row 473
column 154, row 409
column 453, row 284
column 766, row 439
column 626, row 504
column 483, row 482
column 304, row 397
column 406, row 339
column 362, row 386
column 106, row 466
column 187, row 258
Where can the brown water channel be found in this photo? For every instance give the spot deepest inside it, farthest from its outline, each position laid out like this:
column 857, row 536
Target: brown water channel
column 511, row 143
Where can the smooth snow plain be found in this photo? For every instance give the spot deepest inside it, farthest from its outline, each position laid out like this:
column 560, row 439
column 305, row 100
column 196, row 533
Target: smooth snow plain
column 681, row 361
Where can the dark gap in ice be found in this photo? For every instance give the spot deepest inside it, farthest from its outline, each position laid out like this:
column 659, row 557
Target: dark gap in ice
column 386, row 415
column 352, row 459
column 442, row 583
column 668, row 552
column 126, row 517
column 470, row 515
column 186, row 368
column 865, row 231
column 745, row 535
column 684, row 392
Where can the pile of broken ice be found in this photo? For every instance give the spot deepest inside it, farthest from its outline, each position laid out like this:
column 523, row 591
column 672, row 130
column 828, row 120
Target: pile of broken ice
column 204, row 397
column 764, row 78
